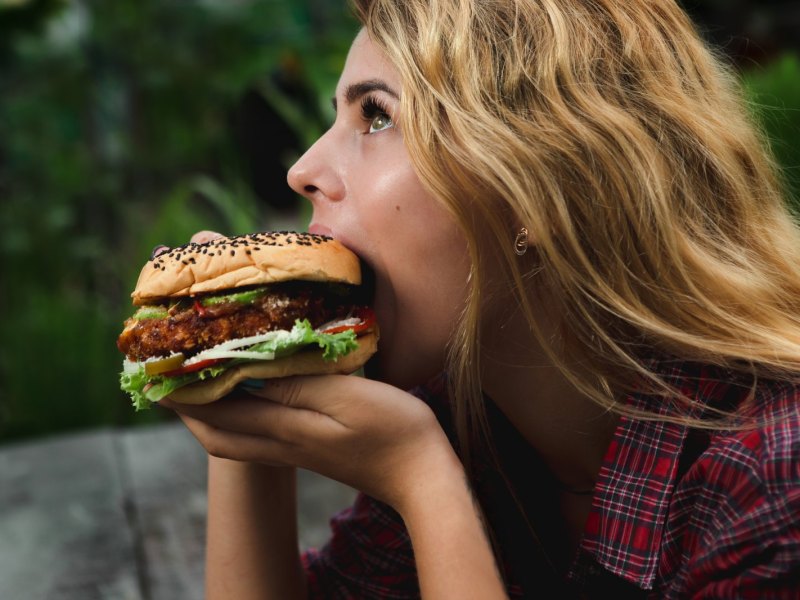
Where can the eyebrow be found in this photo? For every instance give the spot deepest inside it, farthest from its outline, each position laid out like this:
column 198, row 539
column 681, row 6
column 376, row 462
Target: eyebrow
column 354, row 91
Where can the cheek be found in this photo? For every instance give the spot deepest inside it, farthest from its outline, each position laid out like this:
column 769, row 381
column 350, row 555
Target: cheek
column 427, row 270
column 421, row 262
column 402, row 212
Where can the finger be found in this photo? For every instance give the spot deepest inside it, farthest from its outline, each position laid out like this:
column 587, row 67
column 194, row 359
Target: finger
column 345, row 401
column 331, row 395
column 201, row 237
column 257, row 416
column 320, row 393
column 158, row 249
column 237, row 446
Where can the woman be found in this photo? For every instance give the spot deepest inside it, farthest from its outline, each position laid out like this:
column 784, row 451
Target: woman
column 579, row 239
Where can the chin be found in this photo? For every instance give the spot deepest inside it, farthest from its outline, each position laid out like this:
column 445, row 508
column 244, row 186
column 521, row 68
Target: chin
column 398, row 372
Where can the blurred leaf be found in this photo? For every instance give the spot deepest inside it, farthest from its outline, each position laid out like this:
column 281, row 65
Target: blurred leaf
column 775, row 94
column 115, row 135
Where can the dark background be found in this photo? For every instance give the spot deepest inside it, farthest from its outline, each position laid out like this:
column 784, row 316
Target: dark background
column 128, row 123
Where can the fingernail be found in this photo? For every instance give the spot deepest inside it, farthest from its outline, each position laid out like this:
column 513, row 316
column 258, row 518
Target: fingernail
column 252, row 384
column 158, row 249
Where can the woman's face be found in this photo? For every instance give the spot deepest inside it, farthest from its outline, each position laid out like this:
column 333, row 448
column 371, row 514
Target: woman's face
column 365, row 193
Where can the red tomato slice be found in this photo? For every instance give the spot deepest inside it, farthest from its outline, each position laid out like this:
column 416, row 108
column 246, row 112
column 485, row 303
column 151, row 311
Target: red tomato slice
column 200, row 309
column 198, row 366
column 367, row 321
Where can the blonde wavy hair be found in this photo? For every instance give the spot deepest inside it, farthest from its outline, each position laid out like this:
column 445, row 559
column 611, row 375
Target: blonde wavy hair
column 618, row 138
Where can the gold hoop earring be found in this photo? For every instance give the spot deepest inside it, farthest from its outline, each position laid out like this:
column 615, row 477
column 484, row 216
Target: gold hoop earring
column 521, row 242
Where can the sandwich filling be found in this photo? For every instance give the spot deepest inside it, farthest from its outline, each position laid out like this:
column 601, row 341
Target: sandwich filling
column 182, row 340
column 192, row 324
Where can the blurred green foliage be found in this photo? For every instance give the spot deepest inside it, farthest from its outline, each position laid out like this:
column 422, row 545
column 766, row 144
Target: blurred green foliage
column 775, row 95
column 117, row 122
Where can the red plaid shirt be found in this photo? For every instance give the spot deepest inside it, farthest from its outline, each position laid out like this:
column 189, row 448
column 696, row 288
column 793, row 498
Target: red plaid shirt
column 677, row 512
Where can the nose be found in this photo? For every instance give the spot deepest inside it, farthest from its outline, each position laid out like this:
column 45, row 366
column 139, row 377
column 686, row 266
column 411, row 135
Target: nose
column 317, row 174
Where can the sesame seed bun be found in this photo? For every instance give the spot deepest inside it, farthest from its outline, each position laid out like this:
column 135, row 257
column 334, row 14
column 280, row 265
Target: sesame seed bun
column 254, row 259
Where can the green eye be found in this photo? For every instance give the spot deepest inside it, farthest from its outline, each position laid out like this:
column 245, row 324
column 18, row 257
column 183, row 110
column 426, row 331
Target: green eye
column 380, row 122
column 376, row 114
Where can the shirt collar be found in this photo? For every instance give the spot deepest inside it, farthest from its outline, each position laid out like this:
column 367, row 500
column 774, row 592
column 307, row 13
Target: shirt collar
column 624, row 529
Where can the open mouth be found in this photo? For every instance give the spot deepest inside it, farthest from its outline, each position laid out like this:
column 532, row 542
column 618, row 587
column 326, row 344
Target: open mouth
column 367, row 288
column 366, row 292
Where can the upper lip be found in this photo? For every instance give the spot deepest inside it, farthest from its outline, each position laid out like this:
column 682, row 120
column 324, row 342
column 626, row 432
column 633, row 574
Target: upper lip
column 318, row 229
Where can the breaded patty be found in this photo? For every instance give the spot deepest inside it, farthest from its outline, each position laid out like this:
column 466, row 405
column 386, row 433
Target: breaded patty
column 190, row 328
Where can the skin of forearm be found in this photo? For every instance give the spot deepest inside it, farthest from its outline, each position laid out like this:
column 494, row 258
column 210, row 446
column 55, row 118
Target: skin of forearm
column 252, row 548
column 451, row 549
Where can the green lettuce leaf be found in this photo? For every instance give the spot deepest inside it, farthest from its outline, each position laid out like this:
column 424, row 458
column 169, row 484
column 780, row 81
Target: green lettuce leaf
column 144, row 389
column 333, row 345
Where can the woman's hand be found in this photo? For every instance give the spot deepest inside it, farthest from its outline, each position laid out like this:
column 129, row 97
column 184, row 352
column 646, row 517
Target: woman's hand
column 366, row 434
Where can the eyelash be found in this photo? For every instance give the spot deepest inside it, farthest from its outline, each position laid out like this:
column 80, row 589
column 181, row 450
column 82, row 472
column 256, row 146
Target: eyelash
column 372, row 107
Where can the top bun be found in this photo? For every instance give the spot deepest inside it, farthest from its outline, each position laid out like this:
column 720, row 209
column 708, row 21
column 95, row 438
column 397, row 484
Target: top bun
column 254, row 259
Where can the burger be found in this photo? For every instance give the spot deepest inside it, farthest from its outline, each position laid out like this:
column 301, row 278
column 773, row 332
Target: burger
column 215, row 315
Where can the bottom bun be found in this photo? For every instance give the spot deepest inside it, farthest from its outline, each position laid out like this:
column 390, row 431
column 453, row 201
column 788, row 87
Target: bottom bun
column 302, row 363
